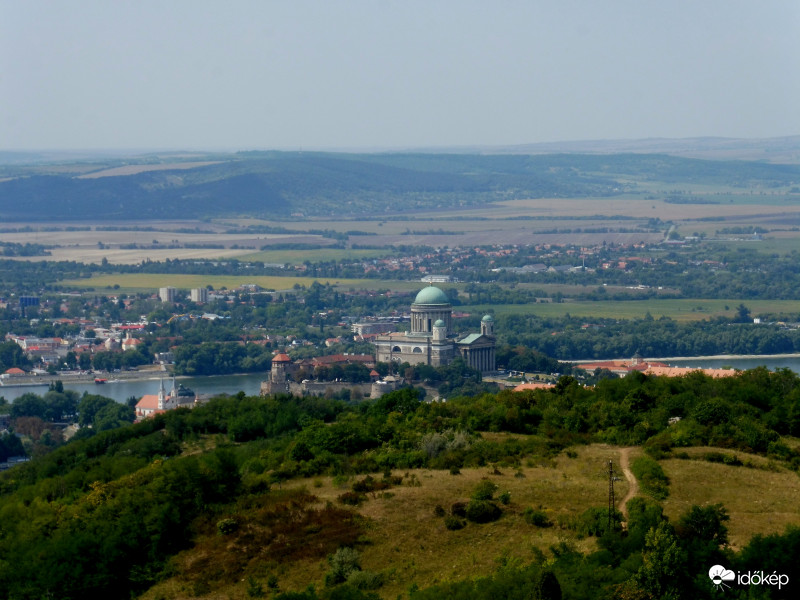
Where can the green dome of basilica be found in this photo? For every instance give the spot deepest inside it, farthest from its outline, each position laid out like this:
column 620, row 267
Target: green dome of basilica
column 431, row 295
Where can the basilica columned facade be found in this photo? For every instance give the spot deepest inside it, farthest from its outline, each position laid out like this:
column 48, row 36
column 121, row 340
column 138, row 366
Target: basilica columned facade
column 431, row 341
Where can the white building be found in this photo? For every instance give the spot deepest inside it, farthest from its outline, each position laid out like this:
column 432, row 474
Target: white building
column 199, row 295
column 167, row 294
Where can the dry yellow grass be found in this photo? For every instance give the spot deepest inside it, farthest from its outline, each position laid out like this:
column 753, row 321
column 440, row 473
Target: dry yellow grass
column 639, row 208
column 759, row 501
column 407, row 543
column 94, row 245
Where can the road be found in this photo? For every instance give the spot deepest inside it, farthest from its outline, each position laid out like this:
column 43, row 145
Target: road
column 633, row 485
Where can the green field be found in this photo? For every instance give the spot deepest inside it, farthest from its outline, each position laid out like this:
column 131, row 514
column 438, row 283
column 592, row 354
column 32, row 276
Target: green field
column 138, row 282
column 769, row 245
column 678, row 309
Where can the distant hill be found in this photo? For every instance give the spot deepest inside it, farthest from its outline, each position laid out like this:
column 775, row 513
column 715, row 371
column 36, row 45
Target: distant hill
column 776, row 150
column 282, row 184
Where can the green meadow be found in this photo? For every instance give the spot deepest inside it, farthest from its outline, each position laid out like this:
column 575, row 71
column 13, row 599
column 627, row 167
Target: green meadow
column 684, row 309
column 678, row 309
column 138, row 282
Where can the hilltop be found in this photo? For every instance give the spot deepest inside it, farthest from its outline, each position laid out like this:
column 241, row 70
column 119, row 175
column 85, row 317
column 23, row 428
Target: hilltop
column 478, row 497
column 315, row 184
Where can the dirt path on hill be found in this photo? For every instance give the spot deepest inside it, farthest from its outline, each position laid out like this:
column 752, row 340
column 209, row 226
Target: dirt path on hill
column 633, row 489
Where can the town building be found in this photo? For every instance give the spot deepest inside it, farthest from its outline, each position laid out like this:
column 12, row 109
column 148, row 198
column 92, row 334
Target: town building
column 438, row 279
column 153, row 404
column 130, row 343
column 167, row 294
column 431, row 340
column 278, row 381
column 25, row 301
column 649, row 367
column 199, row 295
column 366, row 328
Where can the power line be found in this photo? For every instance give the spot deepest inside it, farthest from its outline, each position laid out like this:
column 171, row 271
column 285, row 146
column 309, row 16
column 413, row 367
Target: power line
column 612, row 507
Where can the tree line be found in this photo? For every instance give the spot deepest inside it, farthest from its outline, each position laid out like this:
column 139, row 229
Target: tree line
column 115, row 510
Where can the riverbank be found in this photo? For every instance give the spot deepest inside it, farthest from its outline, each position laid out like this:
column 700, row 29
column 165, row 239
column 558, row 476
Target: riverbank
column 156, row 372
column 47, row 379
column 667, row 359
column 125, row 388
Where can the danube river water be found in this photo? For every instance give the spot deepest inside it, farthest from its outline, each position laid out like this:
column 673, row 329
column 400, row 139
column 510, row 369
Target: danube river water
column 122, row 390
column 251, row 384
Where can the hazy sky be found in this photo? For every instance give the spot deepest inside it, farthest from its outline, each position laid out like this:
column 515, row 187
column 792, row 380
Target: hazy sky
column 235, row 74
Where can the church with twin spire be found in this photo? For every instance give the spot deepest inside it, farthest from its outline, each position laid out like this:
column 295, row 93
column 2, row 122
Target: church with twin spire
column 153, row 404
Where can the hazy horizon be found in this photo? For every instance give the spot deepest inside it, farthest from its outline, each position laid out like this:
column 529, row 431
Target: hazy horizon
column 357, row 75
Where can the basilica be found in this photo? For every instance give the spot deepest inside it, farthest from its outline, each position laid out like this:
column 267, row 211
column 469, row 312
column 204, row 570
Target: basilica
column 431, row 341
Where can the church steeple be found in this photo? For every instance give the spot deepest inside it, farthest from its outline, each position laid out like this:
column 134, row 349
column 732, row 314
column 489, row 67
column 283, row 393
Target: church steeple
column 162, row 394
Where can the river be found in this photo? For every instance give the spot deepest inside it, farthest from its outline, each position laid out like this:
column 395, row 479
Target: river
column 122, row 390
column 251, row 384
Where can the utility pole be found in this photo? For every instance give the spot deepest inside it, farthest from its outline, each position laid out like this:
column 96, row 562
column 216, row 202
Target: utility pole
column 611, row 503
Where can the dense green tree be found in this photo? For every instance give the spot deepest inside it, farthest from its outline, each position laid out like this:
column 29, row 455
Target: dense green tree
column 12, row 355
column 10, row 445
column 663, row 567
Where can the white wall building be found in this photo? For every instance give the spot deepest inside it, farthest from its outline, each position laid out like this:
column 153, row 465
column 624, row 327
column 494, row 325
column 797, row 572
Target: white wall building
column 199, row 295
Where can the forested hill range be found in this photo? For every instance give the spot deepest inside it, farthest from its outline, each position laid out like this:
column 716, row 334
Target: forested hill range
column 286, row 184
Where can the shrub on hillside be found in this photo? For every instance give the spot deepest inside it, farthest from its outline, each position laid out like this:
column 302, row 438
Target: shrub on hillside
column 351, row 498
column 365, row 580
column 659, row 445
column 483, row 511
column 453, row 523
column 227, row 526
column 535, row 517
column 484, row 490
column 651, row 477
column 594, row 521
column 343, row 563
column 458, row 509
column 370, row 484
column 724, row 458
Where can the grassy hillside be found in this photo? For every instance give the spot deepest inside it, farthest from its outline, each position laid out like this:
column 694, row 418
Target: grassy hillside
column 249, row 497
column 403, row 540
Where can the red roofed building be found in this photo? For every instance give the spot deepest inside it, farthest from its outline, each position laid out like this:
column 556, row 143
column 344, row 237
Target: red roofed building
column 281, row 363
column 130, row 343
column 148, row 406
column 536, row 385
column 152, row 404
column 623, row 367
